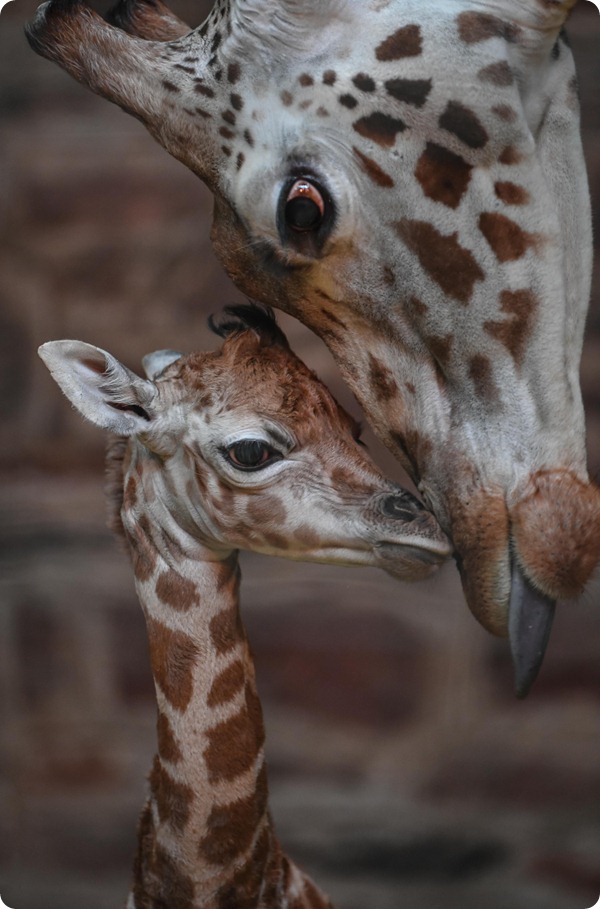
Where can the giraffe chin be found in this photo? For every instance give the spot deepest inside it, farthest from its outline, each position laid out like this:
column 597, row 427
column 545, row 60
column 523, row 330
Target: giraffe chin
column 516, row 560
column 555, row 528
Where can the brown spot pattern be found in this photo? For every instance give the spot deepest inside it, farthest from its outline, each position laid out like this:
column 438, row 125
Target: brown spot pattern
column 443, row 175
column 205, row 90
column 173, row 800
column 364, row 83
column 511, row 193
column 441, row 348
column 231, row 828
column 463, row 123
column 510, row 156
column 475, row 27
column 143, row 551
column 157, row 878
column 482, row 376
column 508, row 241
column 499, row 74
column 168, row 748
column 381, row 379
column 348, row 101
column 226, row 630
column 380, row 128
column 267, row 509
column 521, row 306
column 234, row 745
column 447, row 263
column 251, row 884
column 329, row 77
column 173, row 656
column 233, row 73
column 176, row 591
column 227, row 684
column 373, row 170
column 405, row 42
column 505, row 112
column 410, row 91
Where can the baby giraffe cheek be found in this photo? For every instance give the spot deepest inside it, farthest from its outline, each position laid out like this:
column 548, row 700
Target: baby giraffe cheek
column 556, row 529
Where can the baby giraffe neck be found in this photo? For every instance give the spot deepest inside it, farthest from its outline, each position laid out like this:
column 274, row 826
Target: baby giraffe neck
column 205, row 840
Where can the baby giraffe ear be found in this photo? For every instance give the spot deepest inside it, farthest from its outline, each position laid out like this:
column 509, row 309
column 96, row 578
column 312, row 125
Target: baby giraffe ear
column 100, row 387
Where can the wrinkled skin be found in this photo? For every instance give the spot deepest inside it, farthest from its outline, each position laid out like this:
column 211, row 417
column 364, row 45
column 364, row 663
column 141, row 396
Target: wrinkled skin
column 449, row 268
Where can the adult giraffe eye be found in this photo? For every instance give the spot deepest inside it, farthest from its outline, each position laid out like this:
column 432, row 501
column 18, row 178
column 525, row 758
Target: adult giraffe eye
column 252, row 454
column 304, row 206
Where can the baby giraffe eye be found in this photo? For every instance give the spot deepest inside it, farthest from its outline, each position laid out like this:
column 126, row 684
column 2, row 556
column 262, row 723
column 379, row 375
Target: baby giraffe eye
column 252, row 454
column 304, row 206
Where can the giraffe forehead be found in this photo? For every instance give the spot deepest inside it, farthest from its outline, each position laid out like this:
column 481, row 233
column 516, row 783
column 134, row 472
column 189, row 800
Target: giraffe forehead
column 412, row 63
column 246, row 384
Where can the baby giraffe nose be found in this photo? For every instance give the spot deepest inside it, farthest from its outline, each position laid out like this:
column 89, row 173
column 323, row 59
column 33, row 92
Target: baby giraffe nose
column 402, row 506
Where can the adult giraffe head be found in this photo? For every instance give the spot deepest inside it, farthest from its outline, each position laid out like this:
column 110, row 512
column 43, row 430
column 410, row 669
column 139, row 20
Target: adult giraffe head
column 406, row 177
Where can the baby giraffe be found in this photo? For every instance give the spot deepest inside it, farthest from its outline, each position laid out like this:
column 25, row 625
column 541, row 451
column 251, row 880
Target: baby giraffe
column 239, row 448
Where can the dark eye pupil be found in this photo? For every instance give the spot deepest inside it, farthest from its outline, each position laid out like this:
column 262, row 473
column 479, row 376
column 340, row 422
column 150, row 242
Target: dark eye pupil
column 302, row 213
column 250, row 453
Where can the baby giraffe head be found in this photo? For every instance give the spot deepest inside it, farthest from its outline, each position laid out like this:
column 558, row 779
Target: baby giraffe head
column 244, row 448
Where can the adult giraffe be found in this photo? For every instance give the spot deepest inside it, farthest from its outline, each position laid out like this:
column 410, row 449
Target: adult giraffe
column 406, row 177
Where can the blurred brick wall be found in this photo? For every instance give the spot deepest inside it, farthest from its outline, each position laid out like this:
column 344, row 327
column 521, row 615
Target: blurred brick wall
column 403, row 770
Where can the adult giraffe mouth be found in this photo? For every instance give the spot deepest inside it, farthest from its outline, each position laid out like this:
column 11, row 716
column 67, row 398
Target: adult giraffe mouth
column 516, row 561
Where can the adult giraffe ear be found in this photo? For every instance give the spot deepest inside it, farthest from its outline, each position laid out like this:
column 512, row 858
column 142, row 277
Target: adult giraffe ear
column 100, row 387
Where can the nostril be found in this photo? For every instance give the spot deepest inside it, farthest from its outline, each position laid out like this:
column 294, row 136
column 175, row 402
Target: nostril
column 401, row 507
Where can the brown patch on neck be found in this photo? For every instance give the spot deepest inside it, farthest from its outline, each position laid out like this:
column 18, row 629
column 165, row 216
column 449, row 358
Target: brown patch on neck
column 463, row 123
column 168, row 749
column 511, row 193
column 173, row 657
column 176, row 591
column 481, row 374
column 226, row 630
column 227, row 684
column 521, row 306
column 381, row 380
column 173, row 800
column 508, row 241
column 441, row 348
column 511, row 155
column 449, row 264
column 499, row 74
column 475, row 27
column 231, row 828
column 157, row 878
column 235, row 744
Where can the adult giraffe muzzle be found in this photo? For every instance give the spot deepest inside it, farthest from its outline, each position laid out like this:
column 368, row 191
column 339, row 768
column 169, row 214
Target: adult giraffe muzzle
column 406, row 178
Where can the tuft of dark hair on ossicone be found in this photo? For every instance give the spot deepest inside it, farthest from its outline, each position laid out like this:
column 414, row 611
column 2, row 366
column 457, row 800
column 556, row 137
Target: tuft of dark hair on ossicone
column 251, row 316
